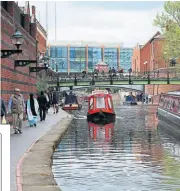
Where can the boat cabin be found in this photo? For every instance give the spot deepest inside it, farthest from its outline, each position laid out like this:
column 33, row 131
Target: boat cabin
column 100, row 106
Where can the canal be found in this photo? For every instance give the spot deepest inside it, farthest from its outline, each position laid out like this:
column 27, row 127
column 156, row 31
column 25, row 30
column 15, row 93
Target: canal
column 134, row 153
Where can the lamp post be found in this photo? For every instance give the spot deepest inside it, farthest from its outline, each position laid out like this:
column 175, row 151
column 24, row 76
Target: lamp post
column 145, row 67
column 17, row 39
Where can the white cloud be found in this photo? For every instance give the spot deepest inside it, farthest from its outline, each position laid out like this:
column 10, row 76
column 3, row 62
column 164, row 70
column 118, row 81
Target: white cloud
column 98, row 24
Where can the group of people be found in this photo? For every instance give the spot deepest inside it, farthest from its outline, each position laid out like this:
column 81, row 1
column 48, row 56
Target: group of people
column 33, row 108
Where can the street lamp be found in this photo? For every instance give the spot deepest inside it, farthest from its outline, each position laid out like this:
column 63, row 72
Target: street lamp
column 17, row 39
column 145, row 67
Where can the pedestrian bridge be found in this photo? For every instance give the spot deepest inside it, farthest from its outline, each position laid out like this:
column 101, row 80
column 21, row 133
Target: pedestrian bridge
column 133, row 88
column 65, row 82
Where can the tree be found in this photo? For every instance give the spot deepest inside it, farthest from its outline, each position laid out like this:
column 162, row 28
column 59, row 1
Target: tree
column 169, row 23
column 42, row 84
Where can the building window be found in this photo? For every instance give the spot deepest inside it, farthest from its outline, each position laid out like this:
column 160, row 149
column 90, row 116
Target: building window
column 4, row 4
column 77, row 59
column 22, row 20
column 59, row 58
column 110, row 57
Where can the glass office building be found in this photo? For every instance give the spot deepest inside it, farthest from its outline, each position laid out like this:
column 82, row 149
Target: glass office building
column 94, row 57
column 73, row 59
column 126, row 58
column 111, row 57
column 59, row 58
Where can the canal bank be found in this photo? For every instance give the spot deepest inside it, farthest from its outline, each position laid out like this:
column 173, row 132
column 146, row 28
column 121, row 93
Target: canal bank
column 34, row 168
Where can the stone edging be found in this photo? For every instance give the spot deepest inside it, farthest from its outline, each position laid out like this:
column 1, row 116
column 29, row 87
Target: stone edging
column 34, row 170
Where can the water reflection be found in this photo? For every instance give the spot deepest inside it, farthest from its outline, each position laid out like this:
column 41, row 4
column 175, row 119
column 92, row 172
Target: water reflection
column 130, row 154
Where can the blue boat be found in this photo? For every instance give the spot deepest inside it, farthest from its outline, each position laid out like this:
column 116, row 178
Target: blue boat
column 130, row 100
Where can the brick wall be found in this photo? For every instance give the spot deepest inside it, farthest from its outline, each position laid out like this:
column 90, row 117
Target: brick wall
column 136, row 60
column 41, row 42
column 158, row 89
column 157, row 54
column 16, row 77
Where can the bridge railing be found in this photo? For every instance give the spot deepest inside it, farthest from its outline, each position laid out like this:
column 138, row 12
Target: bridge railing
column 148, row 76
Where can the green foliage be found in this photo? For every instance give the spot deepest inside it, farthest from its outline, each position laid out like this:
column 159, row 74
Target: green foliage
column 42, row 84
column 169, row 23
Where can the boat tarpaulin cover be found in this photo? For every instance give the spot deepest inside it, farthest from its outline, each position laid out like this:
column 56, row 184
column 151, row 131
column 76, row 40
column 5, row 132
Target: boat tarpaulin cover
column 71, row 99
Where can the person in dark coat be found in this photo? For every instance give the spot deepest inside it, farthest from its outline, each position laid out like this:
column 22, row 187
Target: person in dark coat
column 55, row 101
column 3, row 108
column 42, row 105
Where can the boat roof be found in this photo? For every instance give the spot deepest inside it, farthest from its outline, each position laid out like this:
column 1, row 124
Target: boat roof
column 99, row 92
column 176, row 93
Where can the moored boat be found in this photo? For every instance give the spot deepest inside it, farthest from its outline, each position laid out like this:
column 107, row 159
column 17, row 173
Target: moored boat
column 71, row 102
column 130, row 100
column 169, row 111
column 100, row 106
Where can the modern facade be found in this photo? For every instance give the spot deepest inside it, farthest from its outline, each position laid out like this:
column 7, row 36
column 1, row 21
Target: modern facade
column 126, row 58
column 84, row 56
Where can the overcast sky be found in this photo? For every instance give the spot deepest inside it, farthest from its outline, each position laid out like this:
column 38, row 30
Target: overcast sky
column 125, row 22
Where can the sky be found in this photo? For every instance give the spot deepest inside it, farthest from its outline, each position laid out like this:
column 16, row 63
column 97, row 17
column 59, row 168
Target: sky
column 121, row 22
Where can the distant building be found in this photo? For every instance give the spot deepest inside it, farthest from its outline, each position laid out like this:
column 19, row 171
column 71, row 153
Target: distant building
column 81, row 56
column 150, row 53
column 126, row 58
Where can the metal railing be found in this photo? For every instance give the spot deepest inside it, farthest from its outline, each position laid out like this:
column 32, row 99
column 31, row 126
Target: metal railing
column 111, row 78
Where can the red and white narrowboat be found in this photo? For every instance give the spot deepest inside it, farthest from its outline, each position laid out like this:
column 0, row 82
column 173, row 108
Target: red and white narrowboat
column 100, row 106
column 169, row 109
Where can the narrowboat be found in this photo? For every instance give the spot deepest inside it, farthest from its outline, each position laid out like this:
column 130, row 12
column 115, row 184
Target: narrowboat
column 169, row 111
column 71, row 102
column 100, row 106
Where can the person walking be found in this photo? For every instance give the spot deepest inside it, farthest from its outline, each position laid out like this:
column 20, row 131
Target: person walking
column 54, row 102
column 32, row 110
column 48, row 100
column 42, row 105
column 16, row 106
column 3, row 110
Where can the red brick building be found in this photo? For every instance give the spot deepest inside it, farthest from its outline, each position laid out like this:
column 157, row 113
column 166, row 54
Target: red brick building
column 151, row 53
column 136, row 59
column 13, row 17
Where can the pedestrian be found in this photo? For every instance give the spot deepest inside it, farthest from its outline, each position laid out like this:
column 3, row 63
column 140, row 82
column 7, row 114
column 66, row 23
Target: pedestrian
column 32, row 110
column 42, row 105
column 48, row 100
column 3, row 111
column 54, row 101
column 16, row 106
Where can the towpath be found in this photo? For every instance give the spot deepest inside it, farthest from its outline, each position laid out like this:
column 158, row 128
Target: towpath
column 21, row 142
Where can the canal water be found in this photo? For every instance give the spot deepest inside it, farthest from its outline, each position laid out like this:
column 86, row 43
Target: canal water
column 134, row 153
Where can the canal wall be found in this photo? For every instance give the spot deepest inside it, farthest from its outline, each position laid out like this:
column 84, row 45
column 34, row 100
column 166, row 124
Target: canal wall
column 36, row 169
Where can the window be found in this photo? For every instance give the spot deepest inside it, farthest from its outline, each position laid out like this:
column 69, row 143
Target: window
column 91, row 104
column 109, row 103
column 4, row 4
column 173, row 104
column 161, row 101
column 179, row 107
column 168, row 104
column 22, row 20
column 100, row 102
